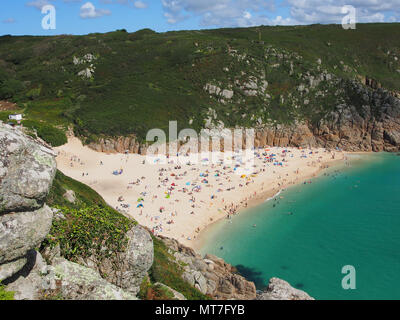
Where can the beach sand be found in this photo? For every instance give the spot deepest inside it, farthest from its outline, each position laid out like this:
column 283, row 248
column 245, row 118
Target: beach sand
column 180, row 200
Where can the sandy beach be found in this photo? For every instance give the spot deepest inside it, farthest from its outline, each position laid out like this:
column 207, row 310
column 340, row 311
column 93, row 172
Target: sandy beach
column 179, row 200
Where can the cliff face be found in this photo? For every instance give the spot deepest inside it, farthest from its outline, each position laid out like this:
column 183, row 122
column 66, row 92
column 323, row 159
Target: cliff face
column 211, row 275
column 368, row 119
column 117, row 145
column 26, row 172
column 128, row 268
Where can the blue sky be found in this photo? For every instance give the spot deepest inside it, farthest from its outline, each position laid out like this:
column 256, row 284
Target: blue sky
column 20, row 17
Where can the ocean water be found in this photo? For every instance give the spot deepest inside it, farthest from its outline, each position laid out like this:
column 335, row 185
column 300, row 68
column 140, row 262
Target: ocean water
column 350, row 216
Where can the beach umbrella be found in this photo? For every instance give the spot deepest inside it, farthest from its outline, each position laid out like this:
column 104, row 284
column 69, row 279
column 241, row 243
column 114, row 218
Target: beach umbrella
column 140, row 205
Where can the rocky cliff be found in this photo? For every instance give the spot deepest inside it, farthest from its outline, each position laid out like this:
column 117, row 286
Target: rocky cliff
column 27, row 170
column 126, row 269
column 211, row 275
column 366, row 119
column 279, row 289
column 26, row 173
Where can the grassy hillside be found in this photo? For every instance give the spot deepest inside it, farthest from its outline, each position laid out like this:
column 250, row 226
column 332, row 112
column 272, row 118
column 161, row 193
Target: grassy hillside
column 84, row 194
column 120, row 83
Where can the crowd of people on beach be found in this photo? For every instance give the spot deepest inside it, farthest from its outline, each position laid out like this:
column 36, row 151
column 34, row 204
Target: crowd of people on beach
column 223, row 186
column 174, row 178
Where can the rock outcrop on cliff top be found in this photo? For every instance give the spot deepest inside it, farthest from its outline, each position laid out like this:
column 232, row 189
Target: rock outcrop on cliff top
column 27, row 170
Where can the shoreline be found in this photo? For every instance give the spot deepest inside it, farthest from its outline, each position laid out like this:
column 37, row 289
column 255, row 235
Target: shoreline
column 268, row 195
column 172, row 209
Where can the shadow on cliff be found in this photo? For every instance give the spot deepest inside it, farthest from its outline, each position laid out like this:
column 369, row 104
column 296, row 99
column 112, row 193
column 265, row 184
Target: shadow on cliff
column 253, row 275
column 26, row 269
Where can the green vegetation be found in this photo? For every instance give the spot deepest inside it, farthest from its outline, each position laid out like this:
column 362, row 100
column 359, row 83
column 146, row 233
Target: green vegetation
column 85, row 195
column 55, row 137
column 166, row 270
column 5, row 295
column 144, row 79
column 89, row 231
column 149, row 291
column 89, row 224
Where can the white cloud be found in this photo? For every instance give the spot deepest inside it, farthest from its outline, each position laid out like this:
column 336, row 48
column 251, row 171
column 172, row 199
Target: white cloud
column 39, row 4
column 217, row 12
column 140, row 4
column 226, row 13
column 9, row 20
column 311, row 11
column 89, row 11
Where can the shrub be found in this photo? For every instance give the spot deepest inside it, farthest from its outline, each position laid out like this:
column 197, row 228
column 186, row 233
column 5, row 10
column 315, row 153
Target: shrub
column 34, row 93
column 9, row 88
column 5, row 295
column 89, row 230
column 53, row 136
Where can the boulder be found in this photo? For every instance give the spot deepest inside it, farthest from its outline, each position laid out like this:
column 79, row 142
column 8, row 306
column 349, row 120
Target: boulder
column 279, row 289
column 10, row 268
column 128, row 268
column 22, row 231
column 196, row 279
column 70, row 196
column 27, row 170
column 28, row 283
column 76, row 282
column 63, row 280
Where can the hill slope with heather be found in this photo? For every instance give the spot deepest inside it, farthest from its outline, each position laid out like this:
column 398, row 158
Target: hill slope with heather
column 124, row 84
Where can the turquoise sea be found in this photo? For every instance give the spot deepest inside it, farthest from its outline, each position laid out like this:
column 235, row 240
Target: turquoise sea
column 348, row 216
